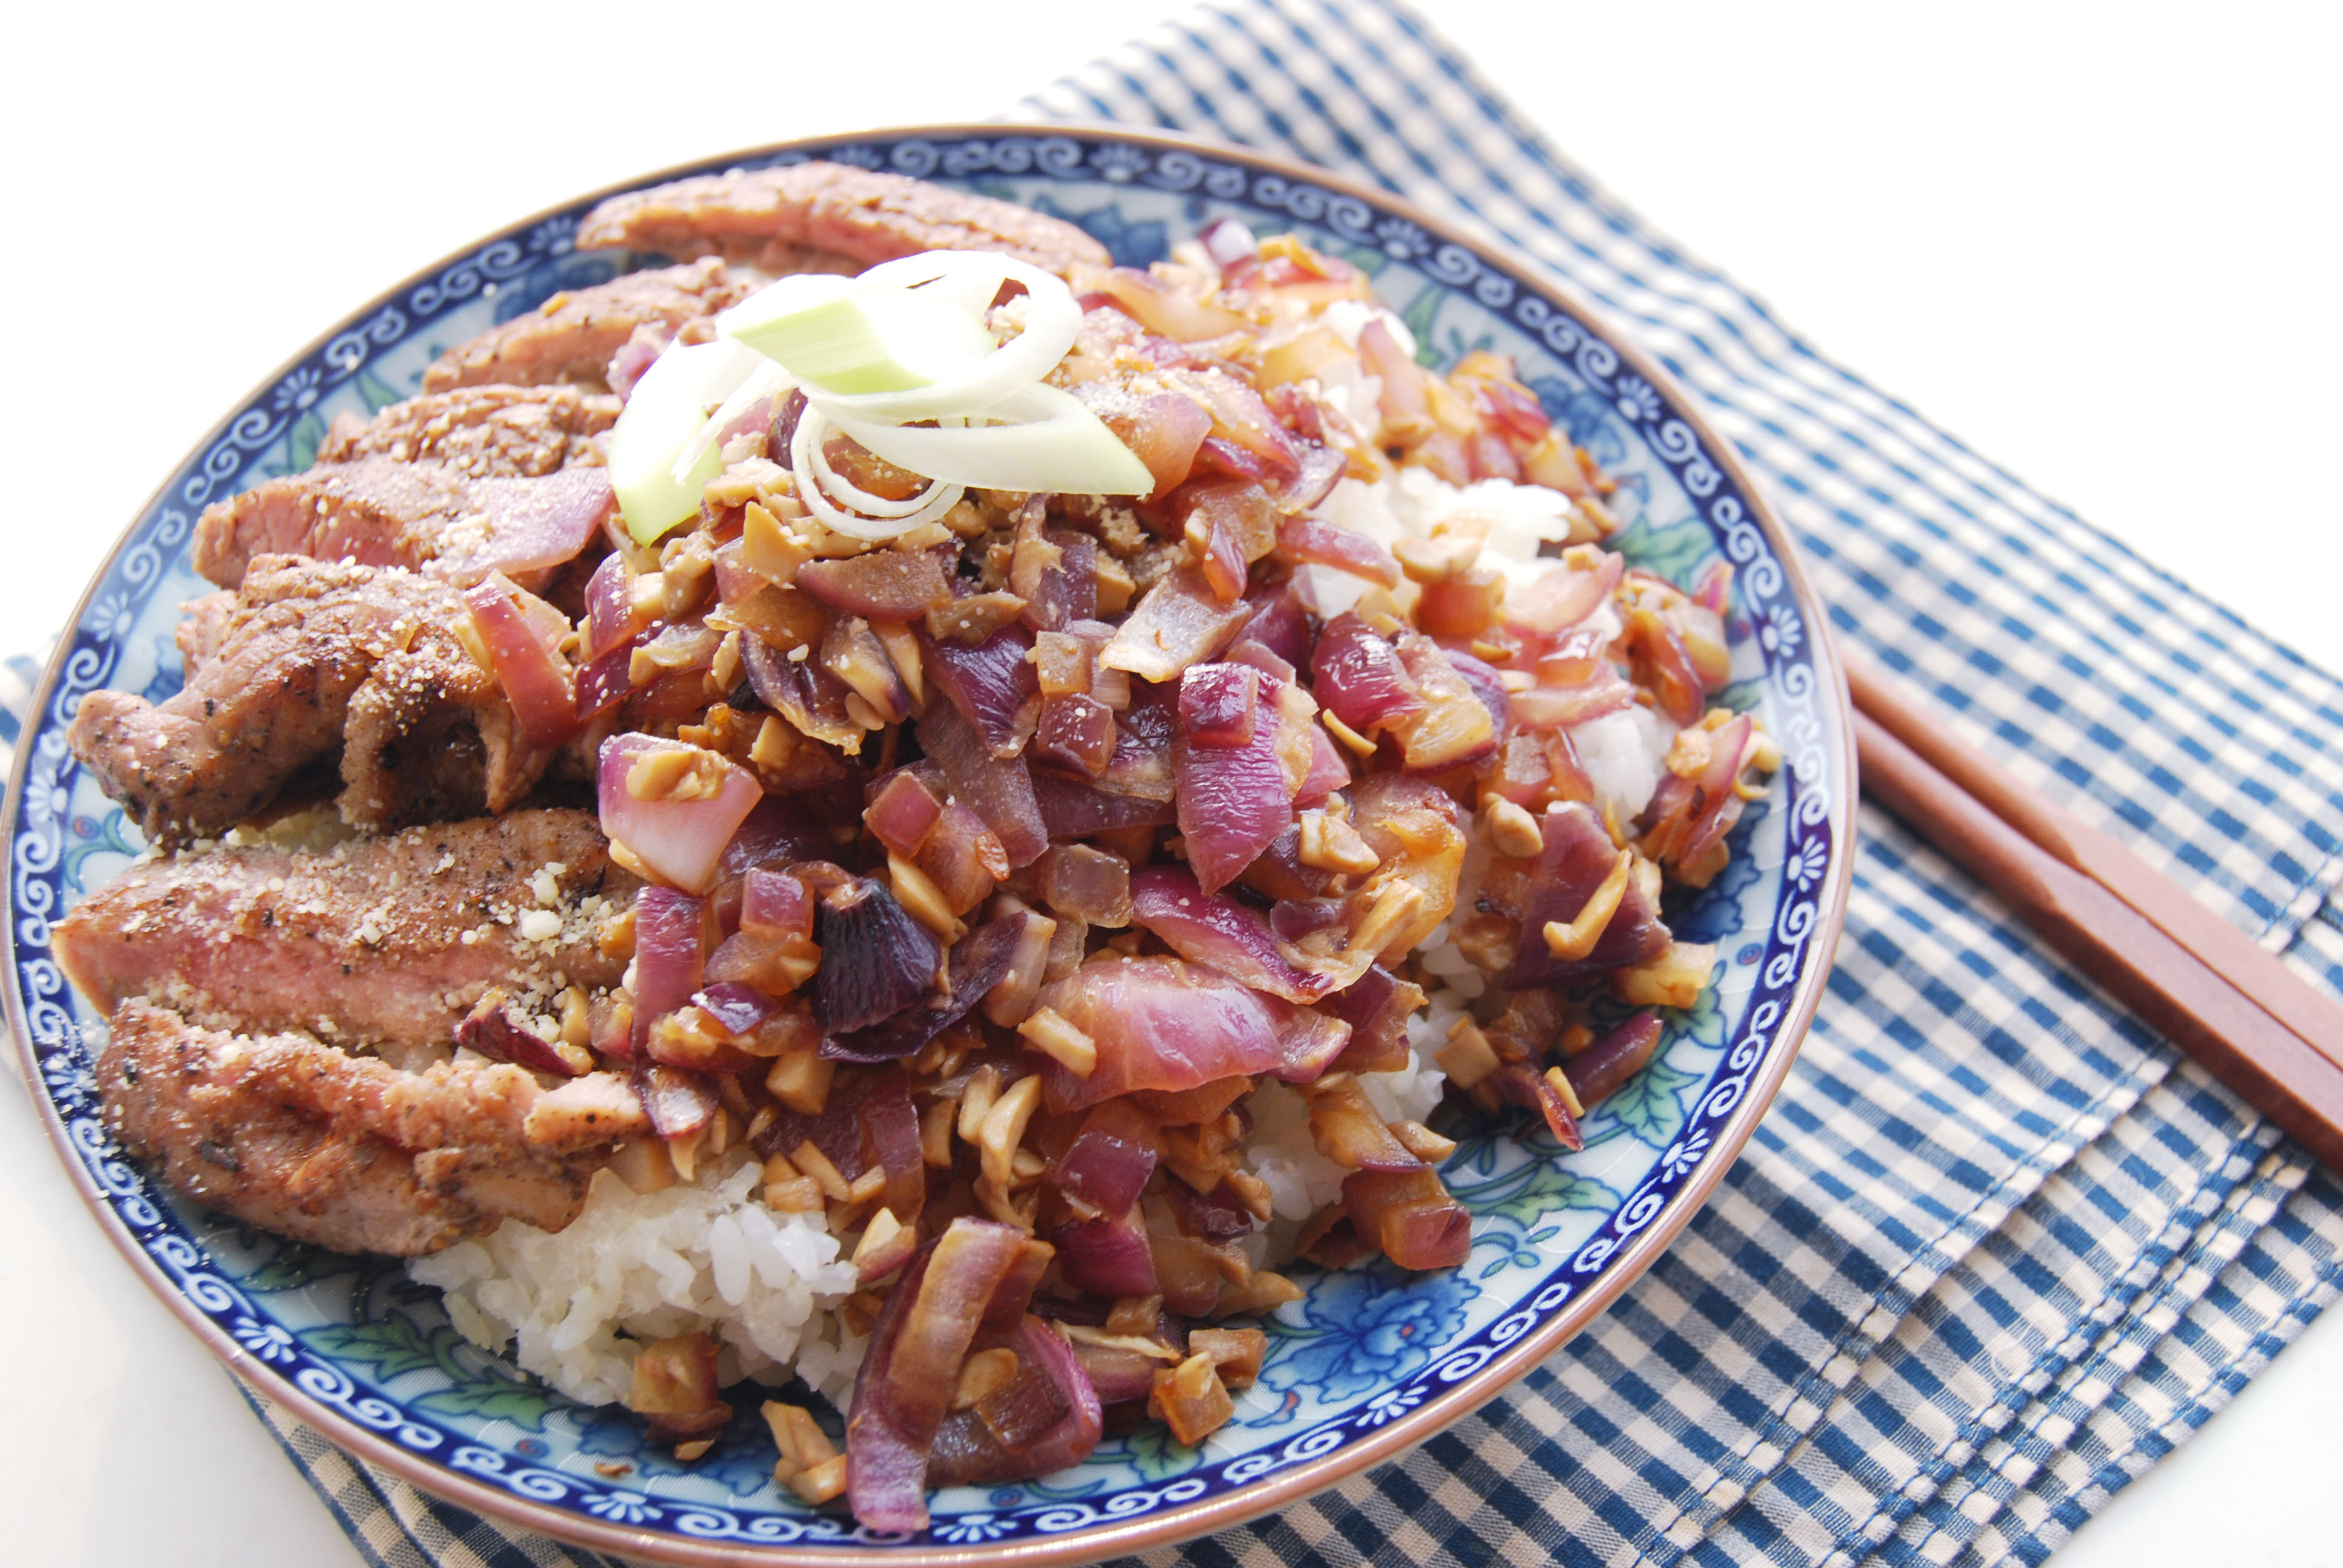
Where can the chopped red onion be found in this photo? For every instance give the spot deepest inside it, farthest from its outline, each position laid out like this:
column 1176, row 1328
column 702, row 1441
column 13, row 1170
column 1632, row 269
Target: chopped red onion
column 1107, row 1256
column 1232, row 803
column 1319, row 542
column 1358, row 677
column 1560, row 597
column 1260, row 657
column 894, row 1129
column 1214, row 928
column 913, row 1365
column 1163, row 430
column 536, row 679
column 1073, row 809
column 978, row 962
column 1086, row 883
column 1179, row 622
column 1377, row 1007
column 533, row 523
column 775, row 904
column 1214, row 1216
column 881, row 585
column 1523, row 1085
column 1077, row 733
column 737, row 1009
column 1578, row 855
column 1163, row 1024
column 1217, row 703
column 681, row 842
column 902, row 811
column 611, row 618
column 1111, row 1159
column 670, row 954
column 963, row 1456
column 1001, row 792
column 495, row 1033
column 1597, row 1072
column 992, row 684
column 876, row 959
column 1603, row 691
column 602, row 683
column 1720, row 806
column 1410, row 1215
column 1280, row 623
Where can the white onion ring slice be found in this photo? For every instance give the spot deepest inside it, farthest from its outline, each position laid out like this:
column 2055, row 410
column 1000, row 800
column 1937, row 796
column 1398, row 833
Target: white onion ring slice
column 816, row 478
column 1048, row 442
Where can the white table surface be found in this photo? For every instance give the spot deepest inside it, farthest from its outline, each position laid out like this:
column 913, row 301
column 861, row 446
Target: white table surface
column 2096, row 244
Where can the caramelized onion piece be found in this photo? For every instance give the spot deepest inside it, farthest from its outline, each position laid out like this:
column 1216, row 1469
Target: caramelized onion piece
column 1161, row 1024
column 913, row 1365
column 1410, row 1215
column 1578, row 855
column 1111, row 1159
column 876, row 959
column 969, row 1451
column 1214, row 928
column 1597, row 1071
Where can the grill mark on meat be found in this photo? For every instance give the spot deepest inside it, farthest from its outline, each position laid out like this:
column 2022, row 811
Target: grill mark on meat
column 388, row 939
column 825, row 217
column 347, row 1151
column 571, row 337
column 481, row 432
column 313, row 649
column 381, row 512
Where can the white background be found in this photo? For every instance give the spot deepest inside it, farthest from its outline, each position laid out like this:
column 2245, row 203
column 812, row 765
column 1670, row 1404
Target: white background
column 2097, row 244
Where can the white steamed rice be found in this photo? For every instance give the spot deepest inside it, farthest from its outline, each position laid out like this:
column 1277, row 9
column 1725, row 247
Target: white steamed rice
column 705, row 1254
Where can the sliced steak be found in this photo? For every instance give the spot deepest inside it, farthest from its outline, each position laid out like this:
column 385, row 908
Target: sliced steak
column 349, row 1152
column 203, row 621
column 379, row 512
column 481, row 432
column 312, row 648
column 781, row 219
column 572, row 336
column 380, row 939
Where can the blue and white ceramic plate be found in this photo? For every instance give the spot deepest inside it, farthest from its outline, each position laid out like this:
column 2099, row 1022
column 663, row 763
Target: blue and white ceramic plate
column 1372, row 1361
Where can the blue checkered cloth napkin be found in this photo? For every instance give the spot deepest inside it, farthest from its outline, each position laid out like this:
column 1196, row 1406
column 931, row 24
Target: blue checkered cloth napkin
column 1996, row 1248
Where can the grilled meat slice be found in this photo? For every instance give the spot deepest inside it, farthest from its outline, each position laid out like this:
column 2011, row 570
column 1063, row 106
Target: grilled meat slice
column 378, row 940
column 379, row 512
column 306, row 1140
column 828, row 217
column 204, row 621
column 481, row 432
column 313, row 647
column 572, row 336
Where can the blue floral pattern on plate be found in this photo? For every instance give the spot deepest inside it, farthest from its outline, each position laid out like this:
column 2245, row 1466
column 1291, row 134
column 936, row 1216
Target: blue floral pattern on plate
column 353, row 1342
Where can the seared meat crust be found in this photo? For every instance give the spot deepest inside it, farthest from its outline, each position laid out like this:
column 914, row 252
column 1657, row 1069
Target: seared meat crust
column 349, row 1152
column 572, row 336
column 481, row 432
column 828, row 217
column 380, row 939
column 312, row 648
column 379, row 512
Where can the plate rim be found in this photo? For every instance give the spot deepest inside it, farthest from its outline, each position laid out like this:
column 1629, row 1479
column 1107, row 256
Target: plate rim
column 1180, row 1522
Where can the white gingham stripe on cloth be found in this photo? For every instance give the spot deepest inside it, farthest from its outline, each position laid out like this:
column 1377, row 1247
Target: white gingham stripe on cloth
column 1997, row 1250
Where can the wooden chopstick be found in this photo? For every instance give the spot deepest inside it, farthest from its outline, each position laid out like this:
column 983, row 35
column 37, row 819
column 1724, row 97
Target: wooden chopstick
column 2189, row 974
